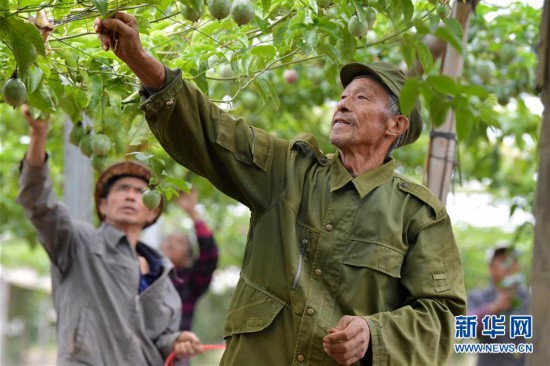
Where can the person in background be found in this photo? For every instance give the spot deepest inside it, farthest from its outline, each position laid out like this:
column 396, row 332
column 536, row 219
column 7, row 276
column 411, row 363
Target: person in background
column 190, row 276
column 505, row 295
column 114, row 300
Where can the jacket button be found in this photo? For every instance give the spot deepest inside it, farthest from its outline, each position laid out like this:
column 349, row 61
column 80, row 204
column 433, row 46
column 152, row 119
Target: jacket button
column 328, row 227
column 300, row 358
column 310, row 311
column 318, row 272
column 404, row 185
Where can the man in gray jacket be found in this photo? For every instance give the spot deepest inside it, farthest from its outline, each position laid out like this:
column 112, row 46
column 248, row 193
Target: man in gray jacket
column 115, row 303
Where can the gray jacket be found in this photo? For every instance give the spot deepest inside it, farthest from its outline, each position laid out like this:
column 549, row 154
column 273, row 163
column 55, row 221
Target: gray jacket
column 102, row 320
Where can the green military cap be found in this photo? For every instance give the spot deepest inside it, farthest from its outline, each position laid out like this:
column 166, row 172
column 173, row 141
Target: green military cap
column 394, row 79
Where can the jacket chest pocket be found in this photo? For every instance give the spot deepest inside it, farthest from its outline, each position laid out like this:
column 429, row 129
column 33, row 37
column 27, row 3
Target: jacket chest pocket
column 371, row 277
column 378, row 257
column 123, row 273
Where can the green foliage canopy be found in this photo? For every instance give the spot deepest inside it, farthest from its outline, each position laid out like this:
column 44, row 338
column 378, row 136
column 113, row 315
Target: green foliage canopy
column 241, row 68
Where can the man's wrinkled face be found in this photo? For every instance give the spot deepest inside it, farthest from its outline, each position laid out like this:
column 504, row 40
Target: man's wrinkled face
column 361, row 115
column 123, row 205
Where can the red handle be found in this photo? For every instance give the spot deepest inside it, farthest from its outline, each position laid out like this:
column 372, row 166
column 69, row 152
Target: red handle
column 170, row 359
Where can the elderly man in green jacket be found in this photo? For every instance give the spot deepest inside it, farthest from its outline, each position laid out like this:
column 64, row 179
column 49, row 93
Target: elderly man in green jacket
column 114, row 300
column 346, row 261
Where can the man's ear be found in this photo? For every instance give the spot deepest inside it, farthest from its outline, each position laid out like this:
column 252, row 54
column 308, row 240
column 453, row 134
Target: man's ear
column 397, row 125
column 103, row 206
column 151, row 215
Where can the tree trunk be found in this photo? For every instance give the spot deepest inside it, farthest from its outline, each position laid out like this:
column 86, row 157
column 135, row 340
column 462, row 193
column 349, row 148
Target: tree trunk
column 540, row 275
column 441, row 151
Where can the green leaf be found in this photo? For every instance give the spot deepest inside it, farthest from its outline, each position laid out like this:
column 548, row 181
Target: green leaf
column 408, row 50
column 25, row 41
column 438, row 111
column 54, row 82
column 330, row 51
column 332, row 73
column 274, row 94
column 443, row 83
column 102, row 6
column 266, row 5
column 95, row 92
column 304, row 47
column 70, row 108
column 424, row 56
column 313, row 5
column 272, row 97
column 267, row 52
column 246, row 62
column 464, row 123
column 408, row 10
column 311, row 37
column 159, row 161
column 409, row 96
column 35, row 79
column 267, row 91
column 358, row 7
column 41, row 98
column 475, row 90
column 143, row 24
column 325, row 26
column 454, row 27
column 347, row 46
column 143, row 157
column 132, row 98
column 139, row 131
column 420, row 26
column 200, row 79
column 448, row 36
column 178, row 182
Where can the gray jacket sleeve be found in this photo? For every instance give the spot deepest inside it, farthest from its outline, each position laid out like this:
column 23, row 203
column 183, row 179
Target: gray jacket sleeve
column 165, row 343
column 49, row 216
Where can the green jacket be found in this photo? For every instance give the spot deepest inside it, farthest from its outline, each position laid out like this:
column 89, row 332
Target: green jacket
column 321, row 244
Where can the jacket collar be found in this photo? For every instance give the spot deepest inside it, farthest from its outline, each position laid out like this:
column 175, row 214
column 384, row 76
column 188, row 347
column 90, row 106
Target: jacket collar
column 111, row 234
column 363, row 183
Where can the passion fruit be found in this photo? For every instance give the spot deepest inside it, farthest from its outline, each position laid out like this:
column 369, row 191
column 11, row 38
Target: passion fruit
column 357, row 28
column 219, row 9
column 190, row 13
column 249, row 100
column 77, row 133
column 101, row 144
column 85, row 145
column 14, row 91
column 242, row 12
column 485, row 69
column 290, row 76
column 151, row 198
column 99, row 163
column 443, row 11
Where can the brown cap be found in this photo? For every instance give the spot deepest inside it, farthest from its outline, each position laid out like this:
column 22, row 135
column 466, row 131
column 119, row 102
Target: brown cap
column 394, row 79
column 124, row 168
